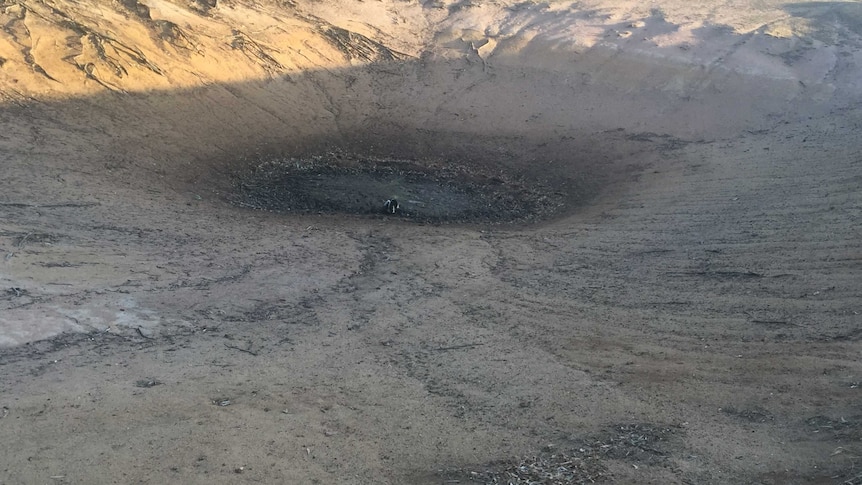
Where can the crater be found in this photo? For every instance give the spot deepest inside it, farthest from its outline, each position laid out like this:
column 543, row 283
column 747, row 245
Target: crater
column 427, row 191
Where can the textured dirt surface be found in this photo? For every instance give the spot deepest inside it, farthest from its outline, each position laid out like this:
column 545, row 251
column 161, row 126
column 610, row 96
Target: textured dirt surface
column 691, row 314
column 425, row 191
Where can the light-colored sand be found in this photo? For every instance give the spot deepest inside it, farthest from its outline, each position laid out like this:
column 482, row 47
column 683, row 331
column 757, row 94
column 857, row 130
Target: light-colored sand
column 707, row 282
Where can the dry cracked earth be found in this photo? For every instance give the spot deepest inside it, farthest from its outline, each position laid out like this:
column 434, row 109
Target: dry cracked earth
column 630, row 249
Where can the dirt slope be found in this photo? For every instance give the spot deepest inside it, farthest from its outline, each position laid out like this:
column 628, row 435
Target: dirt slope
column 690, row 314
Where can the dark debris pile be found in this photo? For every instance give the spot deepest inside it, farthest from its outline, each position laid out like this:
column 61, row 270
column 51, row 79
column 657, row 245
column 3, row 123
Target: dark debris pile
column 639, row 443
column 553, row 469
column 427, row 191
column 643, row 443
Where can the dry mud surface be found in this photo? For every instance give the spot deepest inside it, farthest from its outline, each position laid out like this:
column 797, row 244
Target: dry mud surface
column 424, row 192
column 660, row 280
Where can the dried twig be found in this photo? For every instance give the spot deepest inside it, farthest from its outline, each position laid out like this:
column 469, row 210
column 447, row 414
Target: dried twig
column 19, row 245
column 48, row 206
column 717, row 274
column 776, row 322
column 23, row 240
column 456, row 347
column 248, row 350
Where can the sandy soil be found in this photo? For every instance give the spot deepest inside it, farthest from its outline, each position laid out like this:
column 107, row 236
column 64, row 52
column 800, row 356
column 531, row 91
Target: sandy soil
column 690, row 315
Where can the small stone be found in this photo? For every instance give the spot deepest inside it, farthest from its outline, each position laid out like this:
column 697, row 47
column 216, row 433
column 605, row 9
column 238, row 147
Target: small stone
column 147, row 383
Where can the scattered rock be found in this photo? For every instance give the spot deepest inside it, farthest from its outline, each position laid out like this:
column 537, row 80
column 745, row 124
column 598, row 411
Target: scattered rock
column 147, row 383
column 754, row 415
